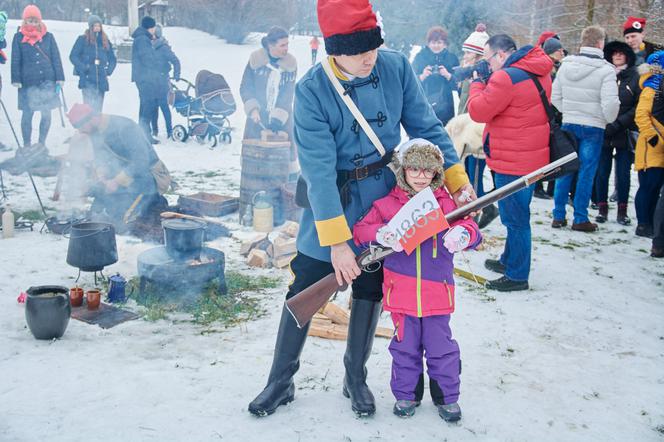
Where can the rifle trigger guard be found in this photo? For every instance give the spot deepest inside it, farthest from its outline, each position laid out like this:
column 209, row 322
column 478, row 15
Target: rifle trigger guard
column 373, row 267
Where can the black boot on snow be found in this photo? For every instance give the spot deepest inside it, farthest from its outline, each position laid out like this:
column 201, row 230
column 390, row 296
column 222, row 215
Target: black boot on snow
column 280, row 388
column 361, row 330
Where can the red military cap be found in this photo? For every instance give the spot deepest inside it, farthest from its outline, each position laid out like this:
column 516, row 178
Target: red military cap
column 634, row 24
column 349, row 27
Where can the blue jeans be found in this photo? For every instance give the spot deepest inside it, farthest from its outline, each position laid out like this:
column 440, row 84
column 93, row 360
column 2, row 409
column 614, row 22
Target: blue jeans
column 515, row 216
column 471, row 164
column 590, row 141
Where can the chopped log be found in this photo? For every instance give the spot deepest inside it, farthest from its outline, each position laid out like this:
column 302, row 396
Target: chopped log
column 290, row 228
column 328, row 331
column 384, row 332
column 249, row 244
column 337, row 314
column 258, row 258
column 268, row 135
column 282, row 261
column 284, row 246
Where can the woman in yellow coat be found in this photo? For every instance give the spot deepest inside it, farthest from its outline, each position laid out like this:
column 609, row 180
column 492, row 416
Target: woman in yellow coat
column 649, row 157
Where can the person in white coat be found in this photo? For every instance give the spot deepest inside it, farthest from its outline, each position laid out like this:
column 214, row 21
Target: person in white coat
column 586, row 93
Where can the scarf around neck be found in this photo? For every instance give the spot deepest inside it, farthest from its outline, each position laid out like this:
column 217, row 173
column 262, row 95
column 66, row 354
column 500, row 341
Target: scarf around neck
column 33, row 34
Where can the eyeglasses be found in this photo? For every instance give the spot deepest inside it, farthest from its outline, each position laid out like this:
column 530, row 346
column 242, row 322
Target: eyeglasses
column 414, row 173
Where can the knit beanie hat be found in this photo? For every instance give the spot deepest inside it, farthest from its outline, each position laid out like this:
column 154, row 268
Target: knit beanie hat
column 148, row 22
column 477, row 40
column 552, row 45
column 80, row 114
column 349, row 27
column 634, row 24
column 544, row 36
column 93, row 20
column 31, row 11
column 418, row 153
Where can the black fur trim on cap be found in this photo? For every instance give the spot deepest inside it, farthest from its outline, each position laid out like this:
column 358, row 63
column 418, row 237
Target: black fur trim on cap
column 355, row 43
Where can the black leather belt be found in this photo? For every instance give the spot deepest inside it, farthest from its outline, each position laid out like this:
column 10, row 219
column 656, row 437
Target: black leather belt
column 361, row 173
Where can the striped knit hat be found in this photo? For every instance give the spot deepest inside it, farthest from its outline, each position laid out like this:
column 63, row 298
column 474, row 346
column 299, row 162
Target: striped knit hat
column 477, row 40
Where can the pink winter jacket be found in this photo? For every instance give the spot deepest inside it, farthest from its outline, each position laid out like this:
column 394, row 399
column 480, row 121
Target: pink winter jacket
column 421, row 284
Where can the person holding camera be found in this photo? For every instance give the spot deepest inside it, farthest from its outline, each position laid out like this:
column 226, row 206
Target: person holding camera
column 434, row 65
column 94, row 61
column 516, row 142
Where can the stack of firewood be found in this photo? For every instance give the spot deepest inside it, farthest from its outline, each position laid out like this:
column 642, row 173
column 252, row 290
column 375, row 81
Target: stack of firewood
column 261, row 251
column 331, row 322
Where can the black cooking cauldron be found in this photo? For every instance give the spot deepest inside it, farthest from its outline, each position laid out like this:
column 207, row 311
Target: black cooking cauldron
column 92, row 246
column 47, row 311
column 183, row 238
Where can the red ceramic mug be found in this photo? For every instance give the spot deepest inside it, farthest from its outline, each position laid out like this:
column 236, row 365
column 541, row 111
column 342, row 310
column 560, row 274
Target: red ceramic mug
column 93, row 298
column 76, row 296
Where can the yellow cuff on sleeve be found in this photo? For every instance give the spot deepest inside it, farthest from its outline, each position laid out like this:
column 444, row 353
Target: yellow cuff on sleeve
column 455, row 178
column 333, row 231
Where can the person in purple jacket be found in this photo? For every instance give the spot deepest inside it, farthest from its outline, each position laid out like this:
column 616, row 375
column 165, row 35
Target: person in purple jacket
column 418, row 289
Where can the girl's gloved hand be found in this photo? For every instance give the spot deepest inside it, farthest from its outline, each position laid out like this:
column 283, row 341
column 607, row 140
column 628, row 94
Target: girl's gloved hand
column 456, row 239
column 386, row 237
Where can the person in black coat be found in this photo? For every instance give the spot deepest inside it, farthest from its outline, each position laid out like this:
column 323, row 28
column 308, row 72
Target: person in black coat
column 145, row 73
column 36, row 71
column 618, row 135
column 434, row 65
column 94, row 61
column 166, row 60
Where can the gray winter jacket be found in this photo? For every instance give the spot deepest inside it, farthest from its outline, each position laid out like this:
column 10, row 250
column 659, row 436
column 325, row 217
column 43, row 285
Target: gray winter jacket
column 585, row 89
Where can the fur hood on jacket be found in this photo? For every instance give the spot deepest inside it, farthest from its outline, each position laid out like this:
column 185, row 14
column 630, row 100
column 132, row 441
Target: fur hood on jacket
column 260, row 58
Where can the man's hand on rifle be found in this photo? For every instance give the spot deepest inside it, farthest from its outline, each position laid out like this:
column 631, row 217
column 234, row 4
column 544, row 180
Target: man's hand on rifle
column 465, row 195
column 345, row 266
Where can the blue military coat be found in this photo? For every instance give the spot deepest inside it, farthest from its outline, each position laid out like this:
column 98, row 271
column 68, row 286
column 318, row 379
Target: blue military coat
column 329, row 139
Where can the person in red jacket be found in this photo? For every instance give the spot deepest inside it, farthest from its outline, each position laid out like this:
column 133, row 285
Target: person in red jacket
column 516, row 142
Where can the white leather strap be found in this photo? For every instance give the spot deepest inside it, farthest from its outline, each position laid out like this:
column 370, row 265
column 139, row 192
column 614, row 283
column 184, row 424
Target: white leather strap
column 352, row 107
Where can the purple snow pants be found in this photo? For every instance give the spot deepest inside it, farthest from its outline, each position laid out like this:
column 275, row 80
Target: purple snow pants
column 432, row 337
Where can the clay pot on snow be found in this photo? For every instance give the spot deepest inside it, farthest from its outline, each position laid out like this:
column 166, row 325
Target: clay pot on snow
column 47, row 311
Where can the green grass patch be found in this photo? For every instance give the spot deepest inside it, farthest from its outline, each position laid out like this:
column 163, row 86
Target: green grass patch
column 236, row 302
column 31, row 215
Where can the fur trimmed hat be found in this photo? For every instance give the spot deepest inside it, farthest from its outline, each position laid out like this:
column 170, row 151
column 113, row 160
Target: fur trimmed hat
column 418, row 153
column 476, row 41
column 349, row 27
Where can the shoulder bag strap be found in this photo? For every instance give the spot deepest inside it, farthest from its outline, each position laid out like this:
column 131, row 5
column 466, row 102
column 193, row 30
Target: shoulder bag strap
column 545, row 100
column 352, row 107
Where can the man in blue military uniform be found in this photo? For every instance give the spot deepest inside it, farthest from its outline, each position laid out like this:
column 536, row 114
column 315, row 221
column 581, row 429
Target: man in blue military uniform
column 345, row 174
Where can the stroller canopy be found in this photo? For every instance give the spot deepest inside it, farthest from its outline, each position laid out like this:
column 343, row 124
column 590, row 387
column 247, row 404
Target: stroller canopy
column 215, row 93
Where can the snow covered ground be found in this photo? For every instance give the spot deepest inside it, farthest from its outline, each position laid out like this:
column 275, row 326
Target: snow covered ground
column 580, row 356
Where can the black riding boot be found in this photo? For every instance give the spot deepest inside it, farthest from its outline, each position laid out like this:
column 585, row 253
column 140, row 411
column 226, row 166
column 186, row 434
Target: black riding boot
column 361, row 330
column 280, row 388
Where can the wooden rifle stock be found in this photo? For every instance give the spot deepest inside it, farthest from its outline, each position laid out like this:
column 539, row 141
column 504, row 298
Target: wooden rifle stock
column 304, row 305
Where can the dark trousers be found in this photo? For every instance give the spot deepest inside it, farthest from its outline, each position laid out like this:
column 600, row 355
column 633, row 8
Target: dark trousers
column 26, row 126
column 650, row 183
column 94, row 98
column 658, row 239
column 307, row 270
column 168, row 120
column 624, row 159
column 149, row 107
column 314, row 55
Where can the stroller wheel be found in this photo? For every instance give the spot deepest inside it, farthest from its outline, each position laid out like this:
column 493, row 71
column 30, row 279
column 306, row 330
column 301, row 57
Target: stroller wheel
column 208, row 139
column 226, row 138
column 180, row 133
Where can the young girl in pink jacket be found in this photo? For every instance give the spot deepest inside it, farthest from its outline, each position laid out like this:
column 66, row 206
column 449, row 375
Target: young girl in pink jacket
column 418, row 289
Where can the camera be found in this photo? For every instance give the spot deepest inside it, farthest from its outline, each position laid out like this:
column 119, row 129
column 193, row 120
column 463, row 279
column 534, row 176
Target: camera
column 435, row 69
column 481, row 67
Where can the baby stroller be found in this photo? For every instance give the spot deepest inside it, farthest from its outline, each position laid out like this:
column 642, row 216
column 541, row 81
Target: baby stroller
column 207, row 114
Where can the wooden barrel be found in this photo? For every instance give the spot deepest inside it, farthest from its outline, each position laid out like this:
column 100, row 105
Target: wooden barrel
column 264, row 168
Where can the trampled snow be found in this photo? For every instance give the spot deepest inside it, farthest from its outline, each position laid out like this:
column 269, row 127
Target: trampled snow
column 577, row 357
